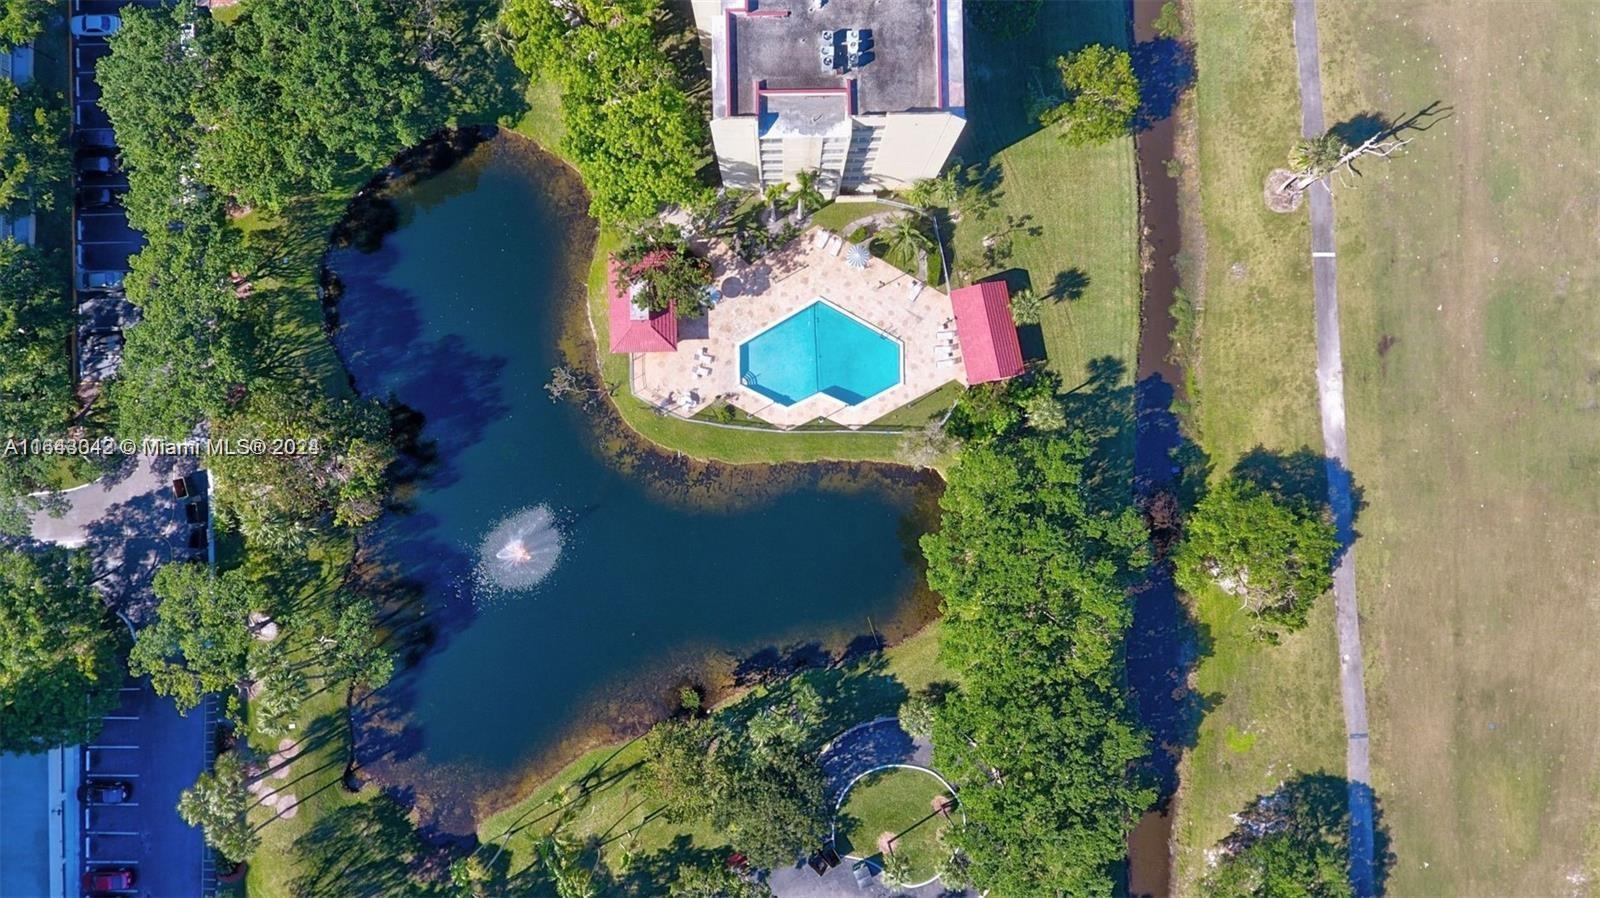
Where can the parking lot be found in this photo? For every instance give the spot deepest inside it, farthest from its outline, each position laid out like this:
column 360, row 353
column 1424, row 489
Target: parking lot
column 132, row 840
column 152, row 753
column 102, row 242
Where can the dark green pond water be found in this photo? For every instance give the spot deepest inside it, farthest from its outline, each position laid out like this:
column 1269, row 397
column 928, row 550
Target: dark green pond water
column 672, row 572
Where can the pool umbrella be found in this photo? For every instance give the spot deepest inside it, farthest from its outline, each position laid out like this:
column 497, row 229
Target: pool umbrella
column 857, row 256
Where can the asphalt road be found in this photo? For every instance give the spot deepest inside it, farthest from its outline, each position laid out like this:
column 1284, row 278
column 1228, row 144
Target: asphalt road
column 1330, row 392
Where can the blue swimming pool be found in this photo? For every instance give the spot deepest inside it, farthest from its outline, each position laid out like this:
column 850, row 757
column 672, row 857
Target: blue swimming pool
column 819, row 349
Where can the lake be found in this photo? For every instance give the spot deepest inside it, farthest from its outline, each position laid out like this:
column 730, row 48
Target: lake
column 672, row 573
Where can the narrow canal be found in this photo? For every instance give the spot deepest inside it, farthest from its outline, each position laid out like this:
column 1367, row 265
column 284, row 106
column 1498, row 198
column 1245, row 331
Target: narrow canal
column 1161, row 644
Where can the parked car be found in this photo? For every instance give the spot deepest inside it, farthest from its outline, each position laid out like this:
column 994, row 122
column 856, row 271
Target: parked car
column 108, row 879
column 95, row 26
column 100, row 280
column 92, row 199
column 106, row 791
column 96, row 163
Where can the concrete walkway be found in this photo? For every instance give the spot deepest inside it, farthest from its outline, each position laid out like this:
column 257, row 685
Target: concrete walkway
column 851, row 753
column 1330, row 391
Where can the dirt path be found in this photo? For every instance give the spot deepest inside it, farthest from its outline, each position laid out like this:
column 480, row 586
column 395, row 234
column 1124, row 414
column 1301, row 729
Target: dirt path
column 1330, row 392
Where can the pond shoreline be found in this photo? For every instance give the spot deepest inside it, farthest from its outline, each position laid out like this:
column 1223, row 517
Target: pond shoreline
column 671, row 478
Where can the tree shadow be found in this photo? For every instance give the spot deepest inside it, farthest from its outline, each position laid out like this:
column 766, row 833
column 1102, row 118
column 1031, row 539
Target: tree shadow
column 1069, row 284
column 1005, row 69
column 1165, row 641
column 1314, row 813
column 362, row 850
column 1165, row 68
column 1308, row 477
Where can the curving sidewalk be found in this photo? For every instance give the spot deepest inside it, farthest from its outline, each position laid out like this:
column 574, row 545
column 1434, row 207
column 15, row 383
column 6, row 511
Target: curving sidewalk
column 1330, row 391
column 876, row 743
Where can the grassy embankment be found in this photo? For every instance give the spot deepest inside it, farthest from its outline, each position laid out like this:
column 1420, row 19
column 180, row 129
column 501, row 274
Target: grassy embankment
column 1253, row 368
column 1467, row 288
column 598, row 794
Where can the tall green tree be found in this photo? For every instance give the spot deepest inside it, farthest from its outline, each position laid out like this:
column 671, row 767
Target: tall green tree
column 561, row 862
column 149, row 87
column 770, row 793
column 34, row 158
column 35, row 376
column 300, row 94
column 638, row 139
column 1102, row 95
column 904, row 241
column 1274, row 552
column 807, row 194
column 327, row 465
column 1293, row 842
column 1034, row 566
column 201, row 640
column 677, row 758
column 195, row 343
column 21, row 21
column 60, row 665
column 217, row 803
column 757, row 781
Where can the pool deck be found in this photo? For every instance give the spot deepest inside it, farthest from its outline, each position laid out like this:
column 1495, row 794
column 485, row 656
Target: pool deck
column 757, row 296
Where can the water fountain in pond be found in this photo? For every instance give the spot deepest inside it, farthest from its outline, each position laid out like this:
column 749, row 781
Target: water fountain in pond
column 520, row 551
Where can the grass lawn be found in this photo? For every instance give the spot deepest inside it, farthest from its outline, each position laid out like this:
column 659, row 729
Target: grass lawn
column 1467, row 283
column 1084, row 200
column 1252, row 375
column 320, row 733
column 838, row 217
column 897, row 801
column 598, row 796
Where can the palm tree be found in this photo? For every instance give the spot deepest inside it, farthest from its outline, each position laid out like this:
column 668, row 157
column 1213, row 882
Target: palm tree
column 566, row 872
column 774, row 195
column 904, row 241
column 806, row 193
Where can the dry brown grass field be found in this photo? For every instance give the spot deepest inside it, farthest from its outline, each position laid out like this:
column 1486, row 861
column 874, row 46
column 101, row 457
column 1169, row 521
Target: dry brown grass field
column 1469, row 282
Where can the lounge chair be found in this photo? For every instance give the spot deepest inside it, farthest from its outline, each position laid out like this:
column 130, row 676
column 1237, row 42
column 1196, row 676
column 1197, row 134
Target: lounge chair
column 819, row 239
column 835, row 243
column 944, row 352
column 913, row 290
column 947, row 332
column 947, row 363
column 702, row 370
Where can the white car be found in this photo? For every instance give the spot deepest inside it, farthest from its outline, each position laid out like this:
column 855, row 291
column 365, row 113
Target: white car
column 96, row 26
column 100, row 280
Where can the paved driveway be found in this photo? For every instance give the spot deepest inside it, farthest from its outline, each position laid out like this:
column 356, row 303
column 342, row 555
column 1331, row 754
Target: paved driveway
column 131, row 524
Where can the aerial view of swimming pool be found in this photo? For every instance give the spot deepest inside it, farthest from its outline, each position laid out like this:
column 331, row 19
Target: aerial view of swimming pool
column 820, row 349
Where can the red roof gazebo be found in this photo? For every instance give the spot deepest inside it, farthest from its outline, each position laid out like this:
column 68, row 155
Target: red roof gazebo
column 990, row 349
column 634, row 328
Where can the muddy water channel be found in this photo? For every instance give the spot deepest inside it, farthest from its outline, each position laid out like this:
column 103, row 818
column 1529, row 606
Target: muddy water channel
column 1162, row 644
column 569, row 580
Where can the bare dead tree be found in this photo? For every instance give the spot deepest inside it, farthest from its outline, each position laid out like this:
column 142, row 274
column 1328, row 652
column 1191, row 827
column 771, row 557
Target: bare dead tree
column 1326, row 157
column 567, row 382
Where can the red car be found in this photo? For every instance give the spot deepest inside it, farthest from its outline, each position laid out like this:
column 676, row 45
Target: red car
column 108, row 880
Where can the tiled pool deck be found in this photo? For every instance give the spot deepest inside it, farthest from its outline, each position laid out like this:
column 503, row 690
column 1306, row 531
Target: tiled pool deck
column 758, row 296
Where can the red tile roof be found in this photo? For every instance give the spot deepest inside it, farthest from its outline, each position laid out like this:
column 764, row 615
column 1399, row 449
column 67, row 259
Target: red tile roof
column 656, row 332
column 989, row 345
